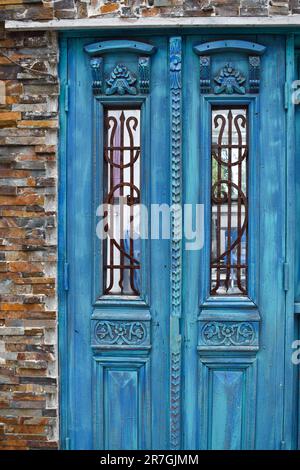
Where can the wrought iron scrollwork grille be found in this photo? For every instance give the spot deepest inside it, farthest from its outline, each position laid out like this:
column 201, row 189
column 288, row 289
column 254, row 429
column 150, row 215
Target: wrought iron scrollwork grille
column 229, row 201
column 122, row 153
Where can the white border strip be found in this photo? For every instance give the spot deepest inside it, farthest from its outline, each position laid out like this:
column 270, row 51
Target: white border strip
column 180, row 22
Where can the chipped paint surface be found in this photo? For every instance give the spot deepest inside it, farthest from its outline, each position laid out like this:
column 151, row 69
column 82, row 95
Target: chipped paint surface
column 28, row 199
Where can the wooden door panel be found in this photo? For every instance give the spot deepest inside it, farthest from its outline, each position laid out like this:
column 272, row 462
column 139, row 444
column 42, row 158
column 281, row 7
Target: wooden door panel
column 119, row 353
column 234, row 341
column 177, row 366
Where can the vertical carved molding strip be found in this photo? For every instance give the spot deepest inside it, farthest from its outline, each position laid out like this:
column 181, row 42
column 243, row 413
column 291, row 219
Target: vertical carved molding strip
column 97, row 73
column 144, row 74
column 254, row 73
column 176, row 243
column 205, row 74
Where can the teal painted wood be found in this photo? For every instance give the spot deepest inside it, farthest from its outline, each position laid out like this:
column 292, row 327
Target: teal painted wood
column 176, row 243
column 262, row 422
column 123, row 402
column 289, row 432
column 230, row 45
column 297, row 239
column 119, row 397
column 121, row 45
column 227, row 406
column 227, row 401
column 127, row 383
column 79, row 223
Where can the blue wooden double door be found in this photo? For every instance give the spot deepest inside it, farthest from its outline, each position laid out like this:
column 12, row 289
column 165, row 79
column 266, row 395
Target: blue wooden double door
column 175, row 317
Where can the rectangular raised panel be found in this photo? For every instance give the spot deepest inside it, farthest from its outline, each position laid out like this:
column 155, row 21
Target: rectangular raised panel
column 122, row 404
column 221, row 335
column 121, row 412
column 126, row 333
column 227, row 396
column 227, row 409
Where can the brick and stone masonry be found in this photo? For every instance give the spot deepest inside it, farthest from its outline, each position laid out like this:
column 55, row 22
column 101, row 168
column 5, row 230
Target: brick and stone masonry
column 29, row 91
column 28, row 177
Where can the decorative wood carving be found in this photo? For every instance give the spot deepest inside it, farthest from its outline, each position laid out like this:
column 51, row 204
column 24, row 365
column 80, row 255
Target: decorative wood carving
column 117, row 332
column 176, row 246
column 229, row 335
column 229, row 81
column 144, row 74
column 205, row 74
column 97, row 73
column 121, row 82
column 254, row 73
column 234, row 379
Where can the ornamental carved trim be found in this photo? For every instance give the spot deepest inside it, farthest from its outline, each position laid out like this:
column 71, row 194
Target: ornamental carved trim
column 130, row 333
column 176, row 245
column 226, row 78
column 121, row 82
column 228, row 334
column 229, row 81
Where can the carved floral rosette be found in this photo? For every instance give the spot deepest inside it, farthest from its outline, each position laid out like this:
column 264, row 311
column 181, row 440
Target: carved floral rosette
column 127, row 333
column 232, row 335
column 120, row 78
column 229, row 66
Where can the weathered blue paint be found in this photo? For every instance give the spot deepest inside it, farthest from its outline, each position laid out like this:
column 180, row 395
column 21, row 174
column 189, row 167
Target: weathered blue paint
column 264, row 420
column 101, row 376
column 232, row 397
column 175, row 58
column 229, row 45
column 291, row 388
column 121, row 45
column 297, row 191
column 297, row 244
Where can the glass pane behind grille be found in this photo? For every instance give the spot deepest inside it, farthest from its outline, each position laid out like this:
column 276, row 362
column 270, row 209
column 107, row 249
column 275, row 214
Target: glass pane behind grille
column 229, row 205
column 122, row 154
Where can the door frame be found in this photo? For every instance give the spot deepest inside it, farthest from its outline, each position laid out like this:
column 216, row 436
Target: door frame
column 291, row 390
column 63, row 336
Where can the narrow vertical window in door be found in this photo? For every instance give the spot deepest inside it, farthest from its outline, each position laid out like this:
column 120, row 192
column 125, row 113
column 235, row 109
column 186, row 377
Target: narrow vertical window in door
column 229, row 200
column 122, row 156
